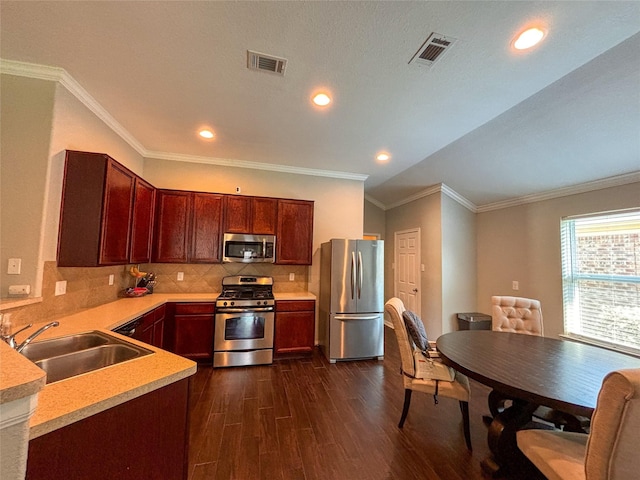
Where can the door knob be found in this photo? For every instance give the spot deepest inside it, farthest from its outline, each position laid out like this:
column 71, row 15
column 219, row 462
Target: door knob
column 415, row 290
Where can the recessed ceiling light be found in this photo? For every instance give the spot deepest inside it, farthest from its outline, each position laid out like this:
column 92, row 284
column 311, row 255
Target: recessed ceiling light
column 383, row 157
column 528, row 38
column 208, row 134
column 321, row 99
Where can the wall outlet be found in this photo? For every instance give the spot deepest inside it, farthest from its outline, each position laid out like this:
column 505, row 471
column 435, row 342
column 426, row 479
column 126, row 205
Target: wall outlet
column 180, row 276
column 111, row 279
column 14, row 266
column 19, row 289
column 292, row 277
column 238, row 190
column 515, row 285
column 61, row 287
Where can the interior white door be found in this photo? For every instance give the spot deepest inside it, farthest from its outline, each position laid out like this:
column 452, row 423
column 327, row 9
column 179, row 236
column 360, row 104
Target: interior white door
column 407, row 268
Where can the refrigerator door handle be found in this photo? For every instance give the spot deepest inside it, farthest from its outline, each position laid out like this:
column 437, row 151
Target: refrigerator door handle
column 353, row 274
column 360, row 267
column 358, row 317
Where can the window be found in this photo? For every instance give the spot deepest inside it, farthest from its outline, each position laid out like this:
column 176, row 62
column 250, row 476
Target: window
column 601, row 278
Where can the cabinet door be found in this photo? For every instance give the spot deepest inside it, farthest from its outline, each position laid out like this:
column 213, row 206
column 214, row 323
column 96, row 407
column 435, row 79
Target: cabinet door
column 158, row 326
column 294, row 237
column 171, row 237
column 237, row 214
column 264, row 215
column 116, row 216
column 294, row 332
column 194, row 336
column 206, row 238
column 142, row 222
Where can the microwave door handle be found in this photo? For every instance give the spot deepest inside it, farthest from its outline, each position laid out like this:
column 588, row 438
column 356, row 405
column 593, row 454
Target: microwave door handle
column 264, row 248
column 353, row 274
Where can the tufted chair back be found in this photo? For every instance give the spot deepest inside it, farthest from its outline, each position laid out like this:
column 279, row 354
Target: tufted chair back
column 517, row 315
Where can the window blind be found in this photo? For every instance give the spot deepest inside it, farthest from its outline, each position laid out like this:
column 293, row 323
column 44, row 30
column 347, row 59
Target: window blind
column 601, row 278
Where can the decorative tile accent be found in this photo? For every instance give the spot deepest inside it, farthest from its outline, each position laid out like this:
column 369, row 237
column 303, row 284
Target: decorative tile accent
column 89, row 287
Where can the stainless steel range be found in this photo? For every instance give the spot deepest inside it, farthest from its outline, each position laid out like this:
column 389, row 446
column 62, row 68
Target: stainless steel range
column 244, row 322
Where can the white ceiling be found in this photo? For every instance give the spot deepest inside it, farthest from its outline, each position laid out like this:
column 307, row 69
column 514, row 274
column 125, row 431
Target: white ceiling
column 490, row 123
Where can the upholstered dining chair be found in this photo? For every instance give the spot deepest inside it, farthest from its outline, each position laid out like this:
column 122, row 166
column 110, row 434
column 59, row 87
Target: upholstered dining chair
column 608, row 452
column 524, row 315
column 458, row 389
column 517, row 315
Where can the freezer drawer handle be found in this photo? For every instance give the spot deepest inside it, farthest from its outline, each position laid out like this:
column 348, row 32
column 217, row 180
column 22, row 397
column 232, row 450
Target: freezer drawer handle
column 359, row 317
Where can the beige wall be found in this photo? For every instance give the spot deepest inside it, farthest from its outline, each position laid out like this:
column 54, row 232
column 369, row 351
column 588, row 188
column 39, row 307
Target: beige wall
column 448, row 253
column 459, row 262
column 26, row 112
column 374, row 219
column 523, row 243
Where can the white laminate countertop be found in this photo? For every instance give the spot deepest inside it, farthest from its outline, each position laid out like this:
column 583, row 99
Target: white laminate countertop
column 67, row 401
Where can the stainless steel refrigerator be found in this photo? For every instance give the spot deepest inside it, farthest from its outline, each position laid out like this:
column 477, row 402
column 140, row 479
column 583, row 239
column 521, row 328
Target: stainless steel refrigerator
column 352, row 299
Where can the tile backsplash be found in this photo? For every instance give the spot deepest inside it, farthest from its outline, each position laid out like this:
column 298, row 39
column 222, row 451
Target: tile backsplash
column 89, row 287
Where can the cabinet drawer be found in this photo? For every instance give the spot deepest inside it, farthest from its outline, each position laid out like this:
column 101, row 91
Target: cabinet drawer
column 194, row 308
column 295, row 305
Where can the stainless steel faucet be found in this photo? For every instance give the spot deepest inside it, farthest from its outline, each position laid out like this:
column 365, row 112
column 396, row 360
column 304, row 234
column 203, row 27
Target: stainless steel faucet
column 11, row 338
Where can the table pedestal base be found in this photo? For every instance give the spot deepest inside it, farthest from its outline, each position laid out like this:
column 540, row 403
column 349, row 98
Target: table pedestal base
column 506, row 458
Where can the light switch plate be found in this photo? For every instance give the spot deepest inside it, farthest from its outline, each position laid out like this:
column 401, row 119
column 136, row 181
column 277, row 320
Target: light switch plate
column 111, row 279
column 180, row 276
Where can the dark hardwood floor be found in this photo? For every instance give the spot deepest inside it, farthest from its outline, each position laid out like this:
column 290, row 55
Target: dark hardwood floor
column 307, row 419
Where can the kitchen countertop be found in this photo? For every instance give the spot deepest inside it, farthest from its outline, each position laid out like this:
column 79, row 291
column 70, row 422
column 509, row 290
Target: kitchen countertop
column 67, row 401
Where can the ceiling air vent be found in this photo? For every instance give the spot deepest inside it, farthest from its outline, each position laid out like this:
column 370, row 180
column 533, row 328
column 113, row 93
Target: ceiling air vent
column 265, row 63
column 433, row 49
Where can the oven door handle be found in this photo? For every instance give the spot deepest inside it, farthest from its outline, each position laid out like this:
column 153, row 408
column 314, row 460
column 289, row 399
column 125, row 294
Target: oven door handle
column 223, row 310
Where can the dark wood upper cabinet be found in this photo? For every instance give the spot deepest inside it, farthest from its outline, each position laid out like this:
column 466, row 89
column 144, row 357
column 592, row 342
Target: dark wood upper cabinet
column 294, row 235
column 250, row 214
column 142, row 222
column 187, row 227
column 206, row 235
column 171, row 238
column 96, row 210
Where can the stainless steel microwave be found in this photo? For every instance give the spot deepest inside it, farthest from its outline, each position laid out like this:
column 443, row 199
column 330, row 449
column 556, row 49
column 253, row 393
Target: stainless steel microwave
column 239, row 247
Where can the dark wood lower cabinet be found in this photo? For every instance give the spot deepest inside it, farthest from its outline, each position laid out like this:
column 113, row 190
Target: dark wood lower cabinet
column 294, row 327
column 144, row 438
column 152, row 329
column 192, row 329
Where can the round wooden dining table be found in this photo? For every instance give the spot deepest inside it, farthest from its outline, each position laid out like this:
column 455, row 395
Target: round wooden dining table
column 536, row 371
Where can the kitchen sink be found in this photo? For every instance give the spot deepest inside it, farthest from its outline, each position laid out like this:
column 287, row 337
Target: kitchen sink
column 73, row 355
column 63, row 345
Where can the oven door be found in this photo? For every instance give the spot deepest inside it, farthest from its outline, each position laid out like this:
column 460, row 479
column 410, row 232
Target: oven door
column 243, row 329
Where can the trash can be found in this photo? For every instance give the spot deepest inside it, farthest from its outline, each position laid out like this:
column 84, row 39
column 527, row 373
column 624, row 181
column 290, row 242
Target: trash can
column 474, row 321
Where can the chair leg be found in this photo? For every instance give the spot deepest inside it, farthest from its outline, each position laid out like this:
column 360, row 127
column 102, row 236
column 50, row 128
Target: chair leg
column 405, row 408
column 464, row 407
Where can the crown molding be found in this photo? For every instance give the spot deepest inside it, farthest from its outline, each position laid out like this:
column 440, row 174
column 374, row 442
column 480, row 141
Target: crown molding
column 61, row 76
column 438, row 188
column 176, row 157
column 563, row 192
column 378, row 204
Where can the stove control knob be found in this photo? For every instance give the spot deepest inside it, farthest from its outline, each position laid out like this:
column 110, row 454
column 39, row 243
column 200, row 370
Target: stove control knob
column 233, row 303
